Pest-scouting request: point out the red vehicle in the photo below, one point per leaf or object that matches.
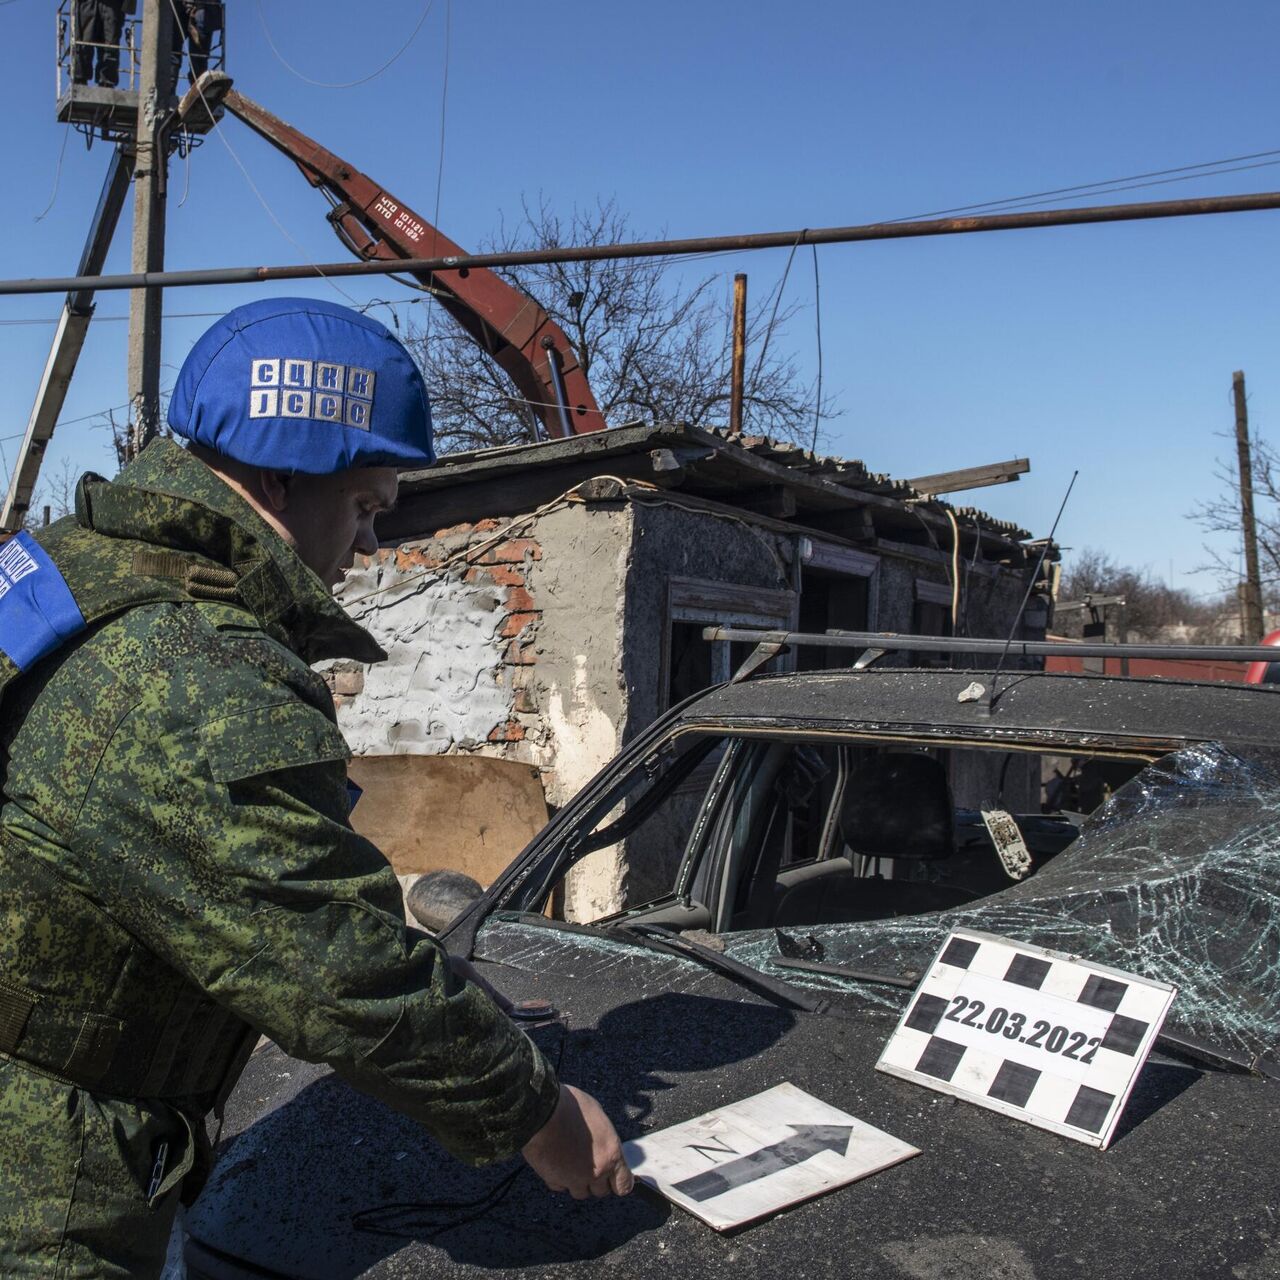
(1265, 672)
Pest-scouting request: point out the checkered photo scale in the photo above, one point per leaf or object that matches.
(1067, 1063)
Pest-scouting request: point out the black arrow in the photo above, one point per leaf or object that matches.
(809, 1139)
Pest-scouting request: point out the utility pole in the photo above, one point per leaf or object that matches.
(150, 181)
(1251, 595)
(738, 376)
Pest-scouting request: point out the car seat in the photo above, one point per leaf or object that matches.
(897, 806)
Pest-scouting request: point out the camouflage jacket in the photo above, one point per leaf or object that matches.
(178, 875)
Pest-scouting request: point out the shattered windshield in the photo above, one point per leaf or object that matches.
(1176, 877)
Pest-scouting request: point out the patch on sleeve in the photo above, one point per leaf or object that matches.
(284, 736)
(37, 610)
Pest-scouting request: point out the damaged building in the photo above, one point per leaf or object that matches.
(542, 603)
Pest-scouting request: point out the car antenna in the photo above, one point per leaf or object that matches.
(988, 703)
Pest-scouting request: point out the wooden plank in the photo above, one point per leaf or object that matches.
(465, 813)
(971, 477)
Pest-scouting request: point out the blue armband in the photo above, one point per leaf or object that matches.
(38, 613)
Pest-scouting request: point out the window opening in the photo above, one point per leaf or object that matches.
(690, 663)
(831, 602)
(781, 832)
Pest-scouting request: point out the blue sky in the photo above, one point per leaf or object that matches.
(1109, 349)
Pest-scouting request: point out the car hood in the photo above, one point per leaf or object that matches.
(1176, 878)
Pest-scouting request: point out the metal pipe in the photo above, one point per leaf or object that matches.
(661, 248)
(737, 377)
(557, 382)
(891, 641)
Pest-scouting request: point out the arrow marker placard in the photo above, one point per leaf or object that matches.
(755, 1157)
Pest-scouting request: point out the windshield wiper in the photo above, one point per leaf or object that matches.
(839, 971)
(773, 989)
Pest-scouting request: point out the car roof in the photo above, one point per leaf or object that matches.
(1030, 706)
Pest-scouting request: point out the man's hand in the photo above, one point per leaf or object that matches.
(578, 1151)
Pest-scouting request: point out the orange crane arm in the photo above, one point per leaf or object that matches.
(508, 324)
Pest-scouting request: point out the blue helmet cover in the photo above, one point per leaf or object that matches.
(300, 384)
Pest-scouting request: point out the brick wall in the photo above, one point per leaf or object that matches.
(459, 620)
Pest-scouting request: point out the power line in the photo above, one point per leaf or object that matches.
(444, 103)
(1097, 186)
(1163, 182)
(348, 84)
(171, 315)
(773, 317)
(69, 422)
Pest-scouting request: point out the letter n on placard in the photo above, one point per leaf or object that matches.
(705, 1148)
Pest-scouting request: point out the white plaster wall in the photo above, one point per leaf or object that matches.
(586, 737)
(578, 585)
(442, 687)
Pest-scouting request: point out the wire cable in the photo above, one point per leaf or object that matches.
(444, 103)
(57, 177)
(1092, 186)
(444, 110)
(231, 151)
(466, 552)
(407, 1215)
(777, 299)
(1031, 585)
(186, 178)
(71, 422)
(101, 413)
(439, 164)
(346, 84)
(169, 315)
(1133, 186)
(955, 569)
(968, 574)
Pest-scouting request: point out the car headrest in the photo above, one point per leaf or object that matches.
(898, 805)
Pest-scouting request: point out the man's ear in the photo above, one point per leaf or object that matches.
(275, 488)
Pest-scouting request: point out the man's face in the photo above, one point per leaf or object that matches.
(330, 518)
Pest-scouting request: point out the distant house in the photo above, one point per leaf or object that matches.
(542, 603)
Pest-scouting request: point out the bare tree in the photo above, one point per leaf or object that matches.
(57, 491)
(1151, 606)
(122, 431)
(1221, 514)
(652, 350)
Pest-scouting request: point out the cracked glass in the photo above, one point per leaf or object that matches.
(1175, 877)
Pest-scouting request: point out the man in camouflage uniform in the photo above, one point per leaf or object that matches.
(177, 870)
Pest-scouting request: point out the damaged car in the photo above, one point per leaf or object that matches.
(798, 846)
